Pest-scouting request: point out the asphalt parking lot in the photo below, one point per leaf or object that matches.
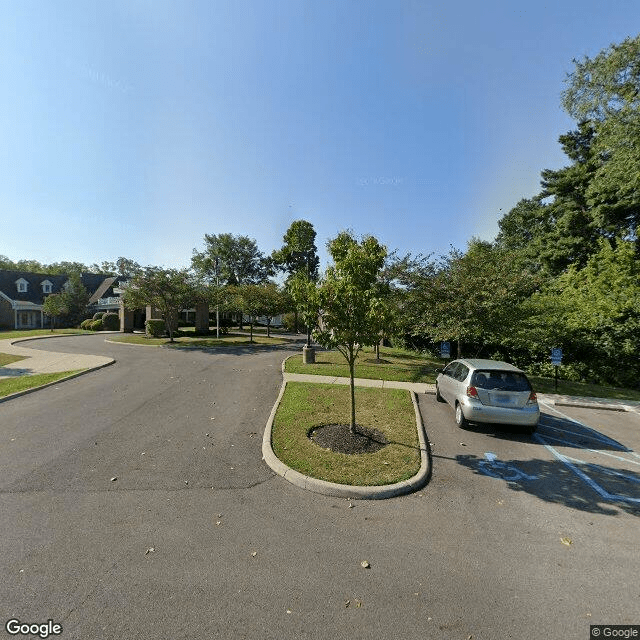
(513, 537)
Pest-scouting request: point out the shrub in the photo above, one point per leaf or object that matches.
(86, 324)
(155, 328)
(96, 325)
(98, 315)
(111, 321)
(225, 324)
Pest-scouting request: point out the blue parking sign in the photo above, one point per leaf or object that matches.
(445, 350)
(556, 355)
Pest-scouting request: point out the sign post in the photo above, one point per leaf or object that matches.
(556, 360)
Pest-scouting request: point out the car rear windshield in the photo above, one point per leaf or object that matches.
(500, 380)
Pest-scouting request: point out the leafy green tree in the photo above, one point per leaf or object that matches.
(231, 260)
(299, 253)
(54, 306)
(605, 90)
(601, 305)
(274, 302)
(302, 292)
(30, 265)
(66, 268)
(350, 300)
(6, 263)
(471, 297)
(76, 298)
(557, 227)
(234, 260)
(249, 298)
(127, 268)
(298, 258)
(168, 290)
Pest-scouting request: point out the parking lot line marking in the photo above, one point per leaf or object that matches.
(569, 462)
(575, 465)
(603, 439)
(595, 434)
(574, 445)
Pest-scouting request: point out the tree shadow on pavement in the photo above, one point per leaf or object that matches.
(566, 433)
(584, 486)
(240, 349)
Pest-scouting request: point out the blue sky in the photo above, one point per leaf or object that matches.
(133, 127)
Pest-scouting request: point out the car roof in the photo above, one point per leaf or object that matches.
(494, 365)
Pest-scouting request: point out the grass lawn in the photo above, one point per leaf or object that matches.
(32, 333)
(569, 388)
(408, 366)
(306, 406)
(398, 364)
(230, 339)
(5, 358)
(21, 383)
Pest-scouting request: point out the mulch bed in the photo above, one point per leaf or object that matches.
(338, 437)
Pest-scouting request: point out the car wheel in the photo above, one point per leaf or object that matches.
(461, 421)
(439, 398)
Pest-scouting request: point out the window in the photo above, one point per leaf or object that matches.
(22, 285)
(46, 286)
(461, 373)
(450, 369)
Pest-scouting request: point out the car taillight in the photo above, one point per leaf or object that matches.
(472, 392)
(533, 399)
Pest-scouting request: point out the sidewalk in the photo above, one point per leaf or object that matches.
(416, 387)
(422, 387)
(37, 361)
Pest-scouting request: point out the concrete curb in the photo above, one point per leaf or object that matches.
(343, 490)
(11, 396)
(604, 404)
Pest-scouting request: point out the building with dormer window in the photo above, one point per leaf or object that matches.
(22, 295)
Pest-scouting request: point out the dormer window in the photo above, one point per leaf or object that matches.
(22, 285)
(46, 286)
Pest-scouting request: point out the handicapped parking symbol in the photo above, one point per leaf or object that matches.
(494, 468)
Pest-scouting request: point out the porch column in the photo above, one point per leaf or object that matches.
(202, 318)
(126, 319)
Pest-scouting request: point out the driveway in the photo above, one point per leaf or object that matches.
(134, 504)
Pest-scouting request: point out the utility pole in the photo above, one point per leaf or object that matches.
(217, 297)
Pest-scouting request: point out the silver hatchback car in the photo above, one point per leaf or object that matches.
(488, 391)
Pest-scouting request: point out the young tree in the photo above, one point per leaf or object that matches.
(350, 300)
(168, 290)
(54, 306)
(274, 302)
(249, 298)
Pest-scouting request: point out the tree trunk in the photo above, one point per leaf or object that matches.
(352, 426)
(459, 354)
(268, 327)
(251, 331)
